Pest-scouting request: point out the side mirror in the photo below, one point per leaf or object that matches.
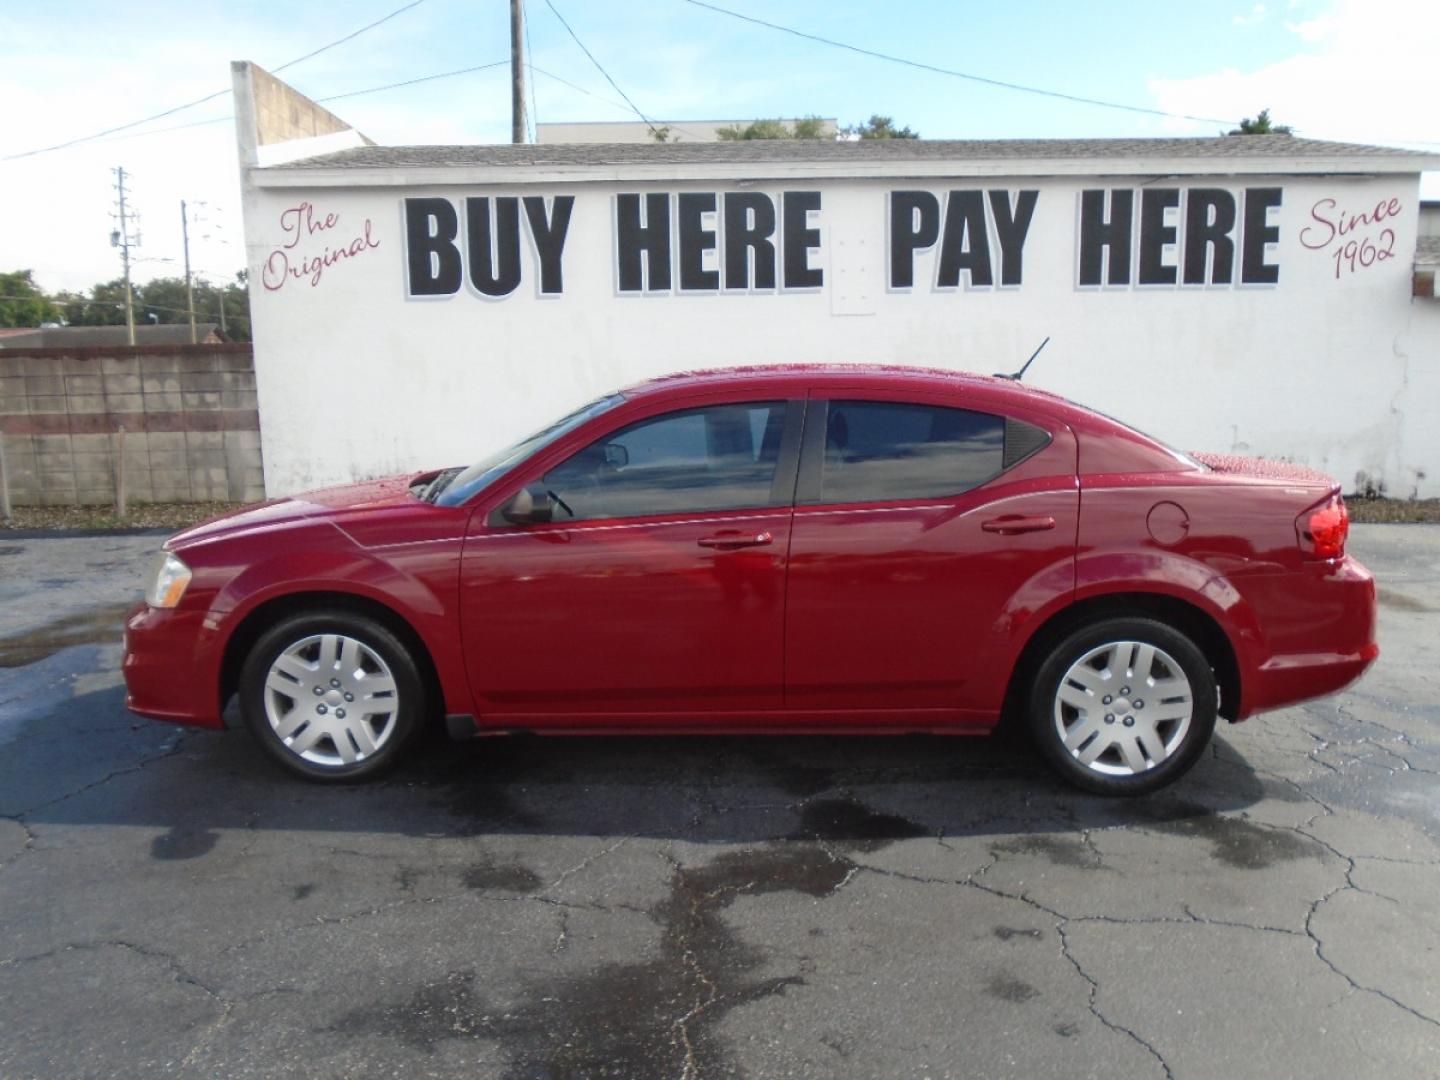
(530, 505)
(616, 455)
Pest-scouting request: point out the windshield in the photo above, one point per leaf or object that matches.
(468, 481)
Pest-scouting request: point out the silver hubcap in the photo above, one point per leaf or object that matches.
(331, 699)
(1123, 708)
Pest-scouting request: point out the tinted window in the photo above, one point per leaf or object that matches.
(878, 450)
(468, 481)
(718, 458)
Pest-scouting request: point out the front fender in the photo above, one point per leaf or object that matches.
(417, 582)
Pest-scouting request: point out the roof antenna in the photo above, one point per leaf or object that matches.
(1017, 376)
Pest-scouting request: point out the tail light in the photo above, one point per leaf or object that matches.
(1322, 529)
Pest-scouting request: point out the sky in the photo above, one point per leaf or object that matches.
(1351, 70)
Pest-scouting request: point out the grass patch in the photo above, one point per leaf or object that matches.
(173, 516)
(1393, 511)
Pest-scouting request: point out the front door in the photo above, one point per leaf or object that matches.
(657, 588)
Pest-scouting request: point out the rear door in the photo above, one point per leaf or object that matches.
(924, 536)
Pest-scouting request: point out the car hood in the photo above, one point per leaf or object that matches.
(322, 504)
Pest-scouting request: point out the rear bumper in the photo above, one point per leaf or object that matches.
(1338, 605)
(172, 666)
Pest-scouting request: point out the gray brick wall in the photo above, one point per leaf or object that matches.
(191, 425)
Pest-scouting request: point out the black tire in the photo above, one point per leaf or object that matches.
(380, 654)
(1121, 727)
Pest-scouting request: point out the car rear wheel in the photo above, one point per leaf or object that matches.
(1123, 706)
(331, 695)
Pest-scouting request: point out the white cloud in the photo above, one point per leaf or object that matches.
(1362, 71)
(1255, 15)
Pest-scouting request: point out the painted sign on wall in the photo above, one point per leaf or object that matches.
(751, 241)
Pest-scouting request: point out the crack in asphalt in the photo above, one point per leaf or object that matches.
(177, 743)
(1354, 983)
(1095, 1006)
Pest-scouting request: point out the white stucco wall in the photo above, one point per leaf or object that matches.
(1333, 367)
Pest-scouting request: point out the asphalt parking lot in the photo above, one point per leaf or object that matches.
(173, 905)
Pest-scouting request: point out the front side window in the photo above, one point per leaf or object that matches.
(721, 457)
(882, 450)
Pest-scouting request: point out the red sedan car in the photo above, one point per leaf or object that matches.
(768, 550)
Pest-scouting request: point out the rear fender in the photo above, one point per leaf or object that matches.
(1138, 570)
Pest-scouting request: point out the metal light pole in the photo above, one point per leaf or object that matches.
(189, 288)
(517, 73)
(122, 241)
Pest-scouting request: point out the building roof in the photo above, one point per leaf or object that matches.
(777, 159)
(1222, 148)
(50, 337)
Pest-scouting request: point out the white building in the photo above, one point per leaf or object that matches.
(420, 306)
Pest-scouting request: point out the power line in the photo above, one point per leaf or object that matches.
(350, 36)
(950, 71)
(411, 82)
(209, 97)
(323, 100)
(634, 108)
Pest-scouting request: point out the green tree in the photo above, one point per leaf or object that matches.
(809, 127)
(878, 127)
(1261, 125)
(22, 303)
(104, 305)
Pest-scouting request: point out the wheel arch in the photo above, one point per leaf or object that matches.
(267, 613)
(1190, 619)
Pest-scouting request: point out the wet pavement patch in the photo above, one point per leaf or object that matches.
(1060, 850)
(1009, 988)
(1006, 933)
(854, 825)
(648, 1018)
(103, 626)
(1240, 843)
(510, 877)
(183, 842)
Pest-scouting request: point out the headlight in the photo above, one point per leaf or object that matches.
(171, 578)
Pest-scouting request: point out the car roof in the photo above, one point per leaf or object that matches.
(899, 376)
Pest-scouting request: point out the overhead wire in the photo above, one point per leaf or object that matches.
(969, 76)
(600, 67)
(209, 97)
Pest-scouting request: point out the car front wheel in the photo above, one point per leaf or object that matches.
(1123, 706)
(331, 695)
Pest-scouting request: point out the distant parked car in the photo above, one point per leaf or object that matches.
(768, 550)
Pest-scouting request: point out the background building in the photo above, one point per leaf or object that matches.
(633, 131)
(421, 306)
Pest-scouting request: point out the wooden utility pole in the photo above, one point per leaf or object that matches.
(189, 287)
(121, 239)
(517, 72)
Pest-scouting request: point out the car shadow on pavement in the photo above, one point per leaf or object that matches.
(701, 789)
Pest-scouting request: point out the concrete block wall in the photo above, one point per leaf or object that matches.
(191, 426)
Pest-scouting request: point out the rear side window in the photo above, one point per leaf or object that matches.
(881, 450)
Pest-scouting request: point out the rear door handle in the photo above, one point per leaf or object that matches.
(1011, 524)
(730, 541)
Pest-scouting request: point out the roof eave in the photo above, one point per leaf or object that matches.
(731, 171)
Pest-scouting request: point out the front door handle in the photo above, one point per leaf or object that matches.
(730, 541)
(1012, 524)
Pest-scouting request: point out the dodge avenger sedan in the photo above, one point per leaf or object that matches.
(773, 550)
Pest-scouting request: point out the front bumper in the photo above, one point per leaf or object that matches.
(172, 666)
